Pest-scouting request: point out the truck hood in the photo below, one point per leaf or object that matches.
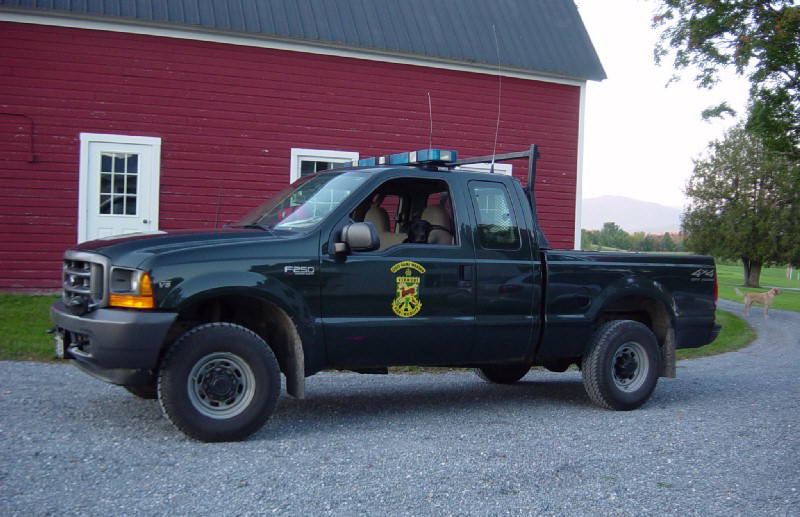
(132, 249)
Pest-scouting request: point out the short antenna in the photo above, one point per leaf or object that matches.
(499, 96)
(430, 117)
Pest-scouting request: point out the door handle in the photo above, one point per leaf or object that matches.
(465, 276)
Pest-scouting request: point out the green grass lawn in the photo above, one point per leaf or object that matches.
(24, 319)
(731, 277)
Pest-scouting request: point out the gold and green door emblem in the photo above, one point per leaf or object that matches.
(407, 301)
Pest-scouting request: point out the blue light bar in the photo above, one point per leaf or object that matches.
(411, 158)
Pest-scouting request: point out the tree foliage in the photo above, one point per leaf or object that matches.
(744, 202)
(759, 39)
(612, 236)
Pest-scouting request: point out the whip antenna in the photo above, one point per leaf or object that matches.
(430, 117)
(499, 96)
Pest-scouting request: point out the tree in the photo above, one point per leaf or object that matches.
(587, 239)
(744, 204)
(758, 38)
(667, 244)
(615, 237)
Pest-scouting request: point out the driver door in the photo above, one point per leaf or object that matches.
(408, 304)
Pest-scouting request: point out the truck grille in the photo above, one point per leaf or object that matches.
(84, 277)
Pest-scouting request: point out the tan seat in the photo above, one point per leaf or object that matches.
(380, 219)
(437, 216)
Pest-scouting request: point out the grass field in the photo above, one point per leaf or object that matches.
(731, 277)
(24, 320)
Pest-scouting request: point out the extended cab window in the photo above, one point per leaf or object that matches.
(497, 226)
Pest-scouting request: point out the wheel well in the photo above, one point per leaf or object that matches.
(651, 313)
(645, 310)
(262, 317)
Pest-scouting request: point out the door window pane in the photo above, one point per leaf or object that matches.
(118, 176)
(497, 227)
(105, 183)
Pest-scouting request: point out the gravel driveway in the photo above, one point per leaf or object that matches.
(722, 438)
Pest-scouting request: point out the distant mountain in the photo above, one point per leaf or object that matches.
(630, 214)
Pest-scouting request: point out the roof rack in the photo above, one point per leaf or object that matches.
(531, 154)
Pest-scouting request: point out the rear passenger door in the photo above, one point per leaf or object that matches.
(508, 286)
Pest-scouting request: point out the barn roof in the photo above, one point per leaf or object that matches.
(544, 36)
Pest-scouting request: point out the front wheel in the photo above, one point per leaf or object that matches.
(620, 369)
(219, 382)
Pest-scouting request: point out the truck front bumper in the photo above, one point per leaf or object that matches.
(115, 345)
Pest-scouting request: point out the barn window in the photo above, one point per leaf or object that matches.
(311, 161)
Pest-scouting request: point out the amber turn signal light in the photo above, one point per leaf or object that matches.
(144, 300)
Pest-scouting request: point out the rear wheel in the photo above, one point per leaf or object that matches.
(620, 370)
(219, 382)
(503, 373)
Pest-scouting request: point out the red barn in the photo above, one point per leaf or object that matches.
(123, 115)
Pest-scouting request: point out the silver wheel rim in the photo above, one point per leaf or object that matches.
(221, 385)
(630, 366)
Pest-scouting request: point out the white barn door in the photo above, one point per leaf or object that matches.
(119, 179)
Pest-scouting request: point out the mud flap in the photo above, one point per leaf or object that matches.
(668, 355)
(295, 366)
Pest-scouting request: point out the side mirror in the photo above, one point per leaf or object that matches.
(359, 237)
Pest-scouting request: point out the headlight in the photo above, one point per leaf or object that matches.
(130, 288)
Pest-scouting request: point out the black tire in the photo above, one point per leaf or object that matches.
(503, 373)
(144, 391)
(219, 382)
(620, 369)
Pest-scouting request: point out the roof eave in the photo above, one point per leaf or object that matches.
(118, 24)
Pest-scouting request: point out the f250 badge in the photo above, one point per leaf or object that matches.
(299, 270)
(406, 302)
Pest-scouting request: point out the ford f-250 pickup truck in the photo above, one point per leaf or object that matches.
(397, 260)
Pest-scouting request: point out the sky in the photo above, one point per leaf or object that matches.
(640, 136)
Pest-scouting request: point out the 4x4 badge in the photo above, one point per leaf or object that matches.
(406, 302)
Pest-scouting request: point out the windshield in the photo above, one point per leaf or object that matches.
(304, 203)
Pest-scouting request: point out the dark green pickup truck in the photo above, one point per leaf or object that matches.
(366, 267)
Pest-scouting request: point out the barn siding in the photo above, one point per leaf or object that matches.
(228, 117)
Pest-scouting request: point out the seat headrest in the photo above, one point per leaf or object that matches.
(436, 215)
(378, 217)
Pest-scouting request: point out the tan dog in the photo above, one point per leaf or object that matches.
(764, 299)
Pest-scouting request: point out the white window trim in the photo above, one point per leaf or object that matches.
(499, 168)
(318, 155)
(83, 176)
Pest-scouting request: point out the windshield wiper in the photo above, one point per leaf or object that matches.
(253, 226)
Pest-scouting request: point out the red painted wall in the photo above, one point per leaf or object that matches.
(228, 117)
